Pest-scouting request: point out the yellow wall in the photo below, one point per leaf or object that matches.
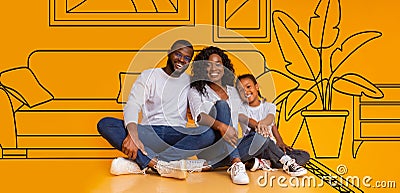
(25, 28)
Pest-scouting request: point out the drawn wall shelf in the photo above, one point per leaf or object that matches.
(376, 119)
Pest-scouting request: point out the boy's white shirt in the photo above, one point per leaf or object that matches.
(258, 113)
(199, 103)
(162, 99)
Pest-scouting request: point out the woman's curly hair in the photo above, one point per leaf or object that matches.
(199, 69)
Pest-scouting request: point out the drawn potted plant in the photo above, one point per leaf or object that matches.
(313, 61)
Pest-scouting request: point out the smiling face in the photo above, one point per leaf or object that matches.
(215, 69)
(179, 59)
(249, 91)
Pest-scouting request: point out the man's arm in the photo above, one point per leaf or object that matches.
(132, 143)
(137, 95)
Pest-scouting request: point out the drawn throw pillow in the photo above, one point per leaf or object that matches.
(23, 85)
(126, 80)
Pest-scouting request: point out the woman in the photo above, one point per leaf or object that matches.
(215, 102)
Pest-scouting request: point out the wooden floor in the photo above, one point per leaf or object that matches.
(92, 175)
(376, 164)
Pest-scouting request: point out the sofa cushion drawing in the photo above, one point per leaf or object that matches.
(51, 106)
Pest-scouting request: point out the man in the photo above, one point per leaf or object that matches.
(161, 138)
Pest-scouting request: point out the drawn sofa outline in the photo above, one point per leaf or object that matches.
(65, 125)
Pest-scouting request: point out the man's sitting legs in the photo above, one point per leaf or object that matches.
(161, 142)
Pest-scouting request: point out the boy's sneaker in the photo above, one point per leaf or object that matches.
(261, 164)
(195, 165)
(172, 169)
(293, 169)
(121, 166)
(238, 173)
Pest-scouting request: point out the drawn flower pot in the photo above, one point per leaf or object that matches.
(313, 60)
(325, 129)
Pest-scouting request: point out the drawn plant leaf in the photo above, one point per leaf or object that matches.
(301, 59)
(350, 46)
(324, 25)
(356, 85)
(277, 92)
(321, 89)
(298, 100)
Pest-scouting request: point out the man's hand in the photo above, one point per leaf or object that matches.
(229, 134)
(132, 143)
(131, 146)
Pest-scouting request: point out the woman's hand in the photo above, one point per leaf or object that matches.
(229, 134)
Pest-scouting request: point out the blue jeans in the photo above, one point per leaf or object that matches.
(274, 156)
(167, 143)
(221, 153)
(251, 146)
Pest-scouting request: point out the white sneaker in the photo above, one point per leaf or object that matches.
(238, 173)
(121, 166)
(195, 165)
(261, 164)
(293, 169)
(172, 169)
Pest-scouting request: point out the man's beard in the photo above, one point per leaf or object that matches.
(170, 66)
